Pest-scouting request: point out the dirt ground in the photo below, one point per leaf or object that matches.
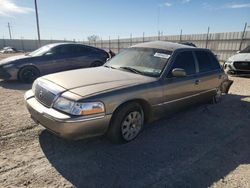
(205, 146)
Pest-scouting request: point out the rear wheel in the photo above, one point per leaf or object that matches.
(126, 124)
(28, 74)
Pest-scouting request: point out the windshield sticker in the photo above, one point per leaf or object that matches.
(161, 55)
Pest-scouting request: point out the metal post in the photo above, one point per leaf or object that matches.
(101, 42)
(37, 24)
(22, 43)
(4, 44)
(159, 37)
(242, 37)
(207, 37)
(131, 39)
(9, 30)
(181, 36)
(109, 43)
(118, 44)
(143, 36)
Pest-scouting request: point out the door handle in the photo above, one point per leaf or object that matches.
(197, 82)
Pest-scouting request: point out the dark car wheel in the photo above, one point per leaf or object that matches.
(126, 124)
(96, 64)
(28, 74)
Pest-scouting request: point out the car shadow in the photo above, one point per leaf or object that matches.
(194, 148)
(14, 85)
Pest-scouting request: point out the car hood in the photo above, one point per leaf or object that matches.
(90, 81)
(240, 57)
(13, 58)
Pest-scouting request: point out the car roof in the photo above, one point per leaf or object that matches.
(164, 45)
(71, 43)
(62, 43)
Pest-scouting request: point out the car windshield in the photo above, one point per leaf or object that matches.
(40, 51)
(246, 50)
(145, 61)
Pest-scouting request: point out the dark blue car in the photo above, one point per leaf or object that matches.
(49, 59)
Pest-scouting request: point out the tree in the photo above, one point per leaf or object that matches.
(93, 38)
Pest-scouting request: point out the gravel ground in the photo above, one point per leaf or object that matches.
(204, 146)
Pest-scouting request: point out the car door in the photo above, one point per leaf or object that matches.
(55, 59)
(209, 73)
(84, 56)
(181, 91)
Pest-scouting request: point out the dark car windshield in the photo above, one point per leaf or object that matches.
(40, 51)
(146, 61)
(246, 50)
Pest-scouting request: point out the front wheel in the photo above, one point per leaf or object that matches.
(126, 124)
(28, 74)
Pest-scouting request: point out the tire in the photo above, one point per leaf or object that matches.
(96, 64)
(126, 123)
(28, 74)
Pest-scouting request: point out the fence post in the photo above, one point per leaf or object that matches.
(207, 36)
(4, 43)
(118, 44)
(130, 39)
(181, 36)
(22, 43)
(109, 43)
(242, 37)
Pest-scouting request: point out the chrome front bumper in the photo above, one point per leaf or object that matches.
(64, 125)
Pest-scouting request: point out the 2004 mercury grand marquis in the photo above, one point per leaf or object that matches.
(141, 83)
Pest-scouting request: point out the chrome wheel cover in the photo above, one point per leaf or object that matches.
(132, 125)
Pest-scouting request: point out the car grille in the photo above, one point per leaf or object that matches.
(242, 65)
(44, 96)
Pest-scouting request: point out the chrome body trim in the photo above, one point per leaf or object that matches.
(183, 98)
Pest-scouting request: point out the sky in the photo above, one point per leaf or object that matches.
(78, 19)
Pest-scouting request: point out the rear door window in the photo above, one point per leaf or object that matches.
(206, 61)
(185, 60)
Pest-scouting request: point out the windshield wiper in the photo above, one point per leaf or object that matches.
(131, 70)
(109, 66)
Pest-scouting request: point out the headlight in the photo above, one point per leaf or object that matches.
(34, 86)
(229, 62)
(76, 108)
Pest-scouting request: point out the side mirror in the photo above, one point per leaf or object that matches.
(177, 72)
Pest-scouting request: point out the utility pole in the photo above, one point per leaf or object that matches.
(37, 25)
(242, 36)
(9, 30)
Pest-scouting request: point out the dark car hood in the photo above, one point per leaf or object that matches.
(85, 82)
(13, 58)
